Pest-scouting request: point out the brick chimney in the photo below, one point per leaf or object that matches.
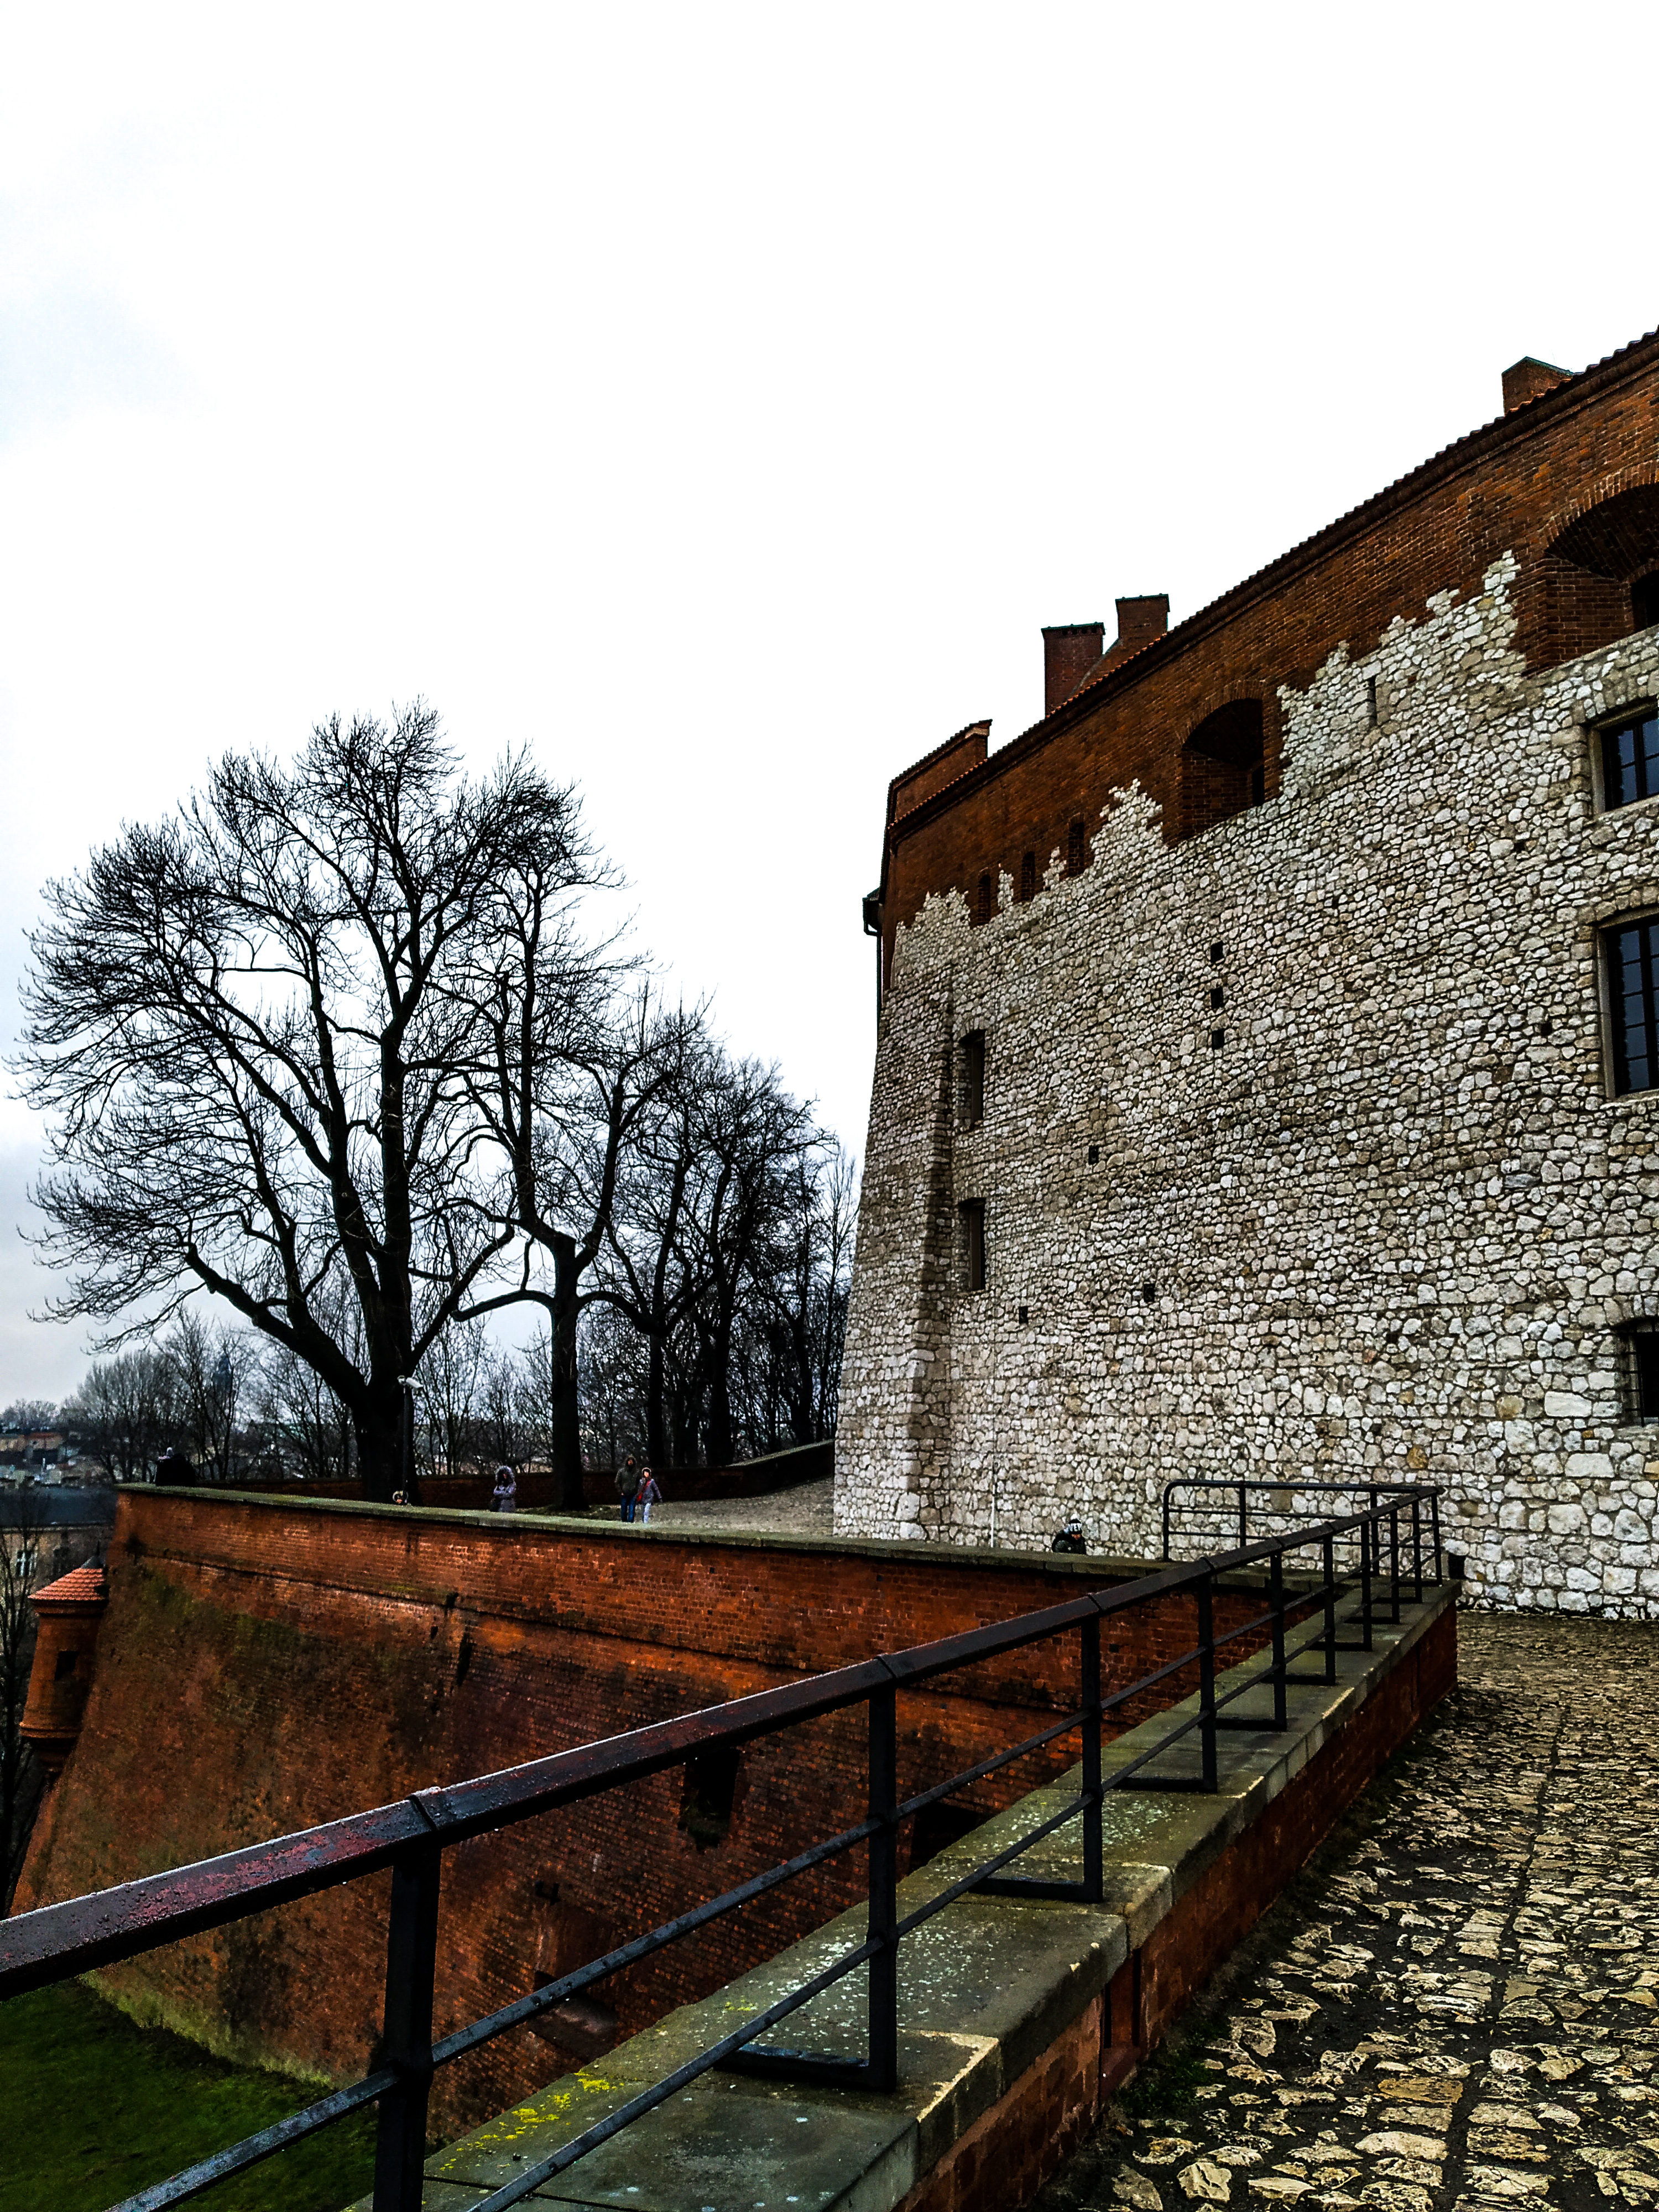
(1069, 651)
(1141, 622)
(1531, 380)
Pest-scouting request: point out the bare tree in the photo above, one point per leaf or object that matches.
(30, 1415)
(570, 1072)
(301, 1418)
(215, 1371)
(256, 1030)
(125, 1411)
(447, 1383)
(23, 1538)
(726, 1256)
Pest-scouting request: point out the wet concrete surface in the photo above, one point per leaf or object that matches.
(1456, 2002)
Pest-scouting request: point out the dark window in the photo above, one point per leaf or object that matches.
(1223, 770)
(1645, 600)
(970, 1080)
(1218, 954)
(66, 1665)
(1641, 1346)
(985, 907)
(1218, 1000)
(1076, 850)
(1631, 957)
(972, 1211)
(1629, 760)
(1218, 1038)
(1028, 877)
(1371, 701)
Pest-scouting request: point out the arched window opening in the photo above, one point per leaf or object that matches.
(1028, 877)
(1223, 767)
(985, 907)
(1598, 582)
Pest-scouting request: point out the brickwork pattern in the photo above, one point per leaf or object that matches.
(262, 1668)
(1458, 2004)
(1515, 487)
(1298, 1158)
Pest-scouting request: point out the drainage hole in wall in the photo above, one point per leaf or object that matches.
(711, 1782)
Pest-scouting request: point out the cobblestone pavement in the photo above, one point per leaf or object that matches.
(808, 1509)
(1457, 2002)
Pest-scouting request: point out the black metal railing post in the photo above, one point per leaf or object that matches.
(1394, 1563)
(1330, 1608)
(1417, 1546)
(1434, 1525)
(1093, 1795)
(411, 1955)
(1168, 1487)
(884, 1891)
(1206, 1731)
(1368, 1528)
(1276, 1584)
(1243, 1519)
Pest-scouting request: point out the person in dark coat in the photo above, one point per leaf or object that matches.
(628, 1486)
(505, 1496)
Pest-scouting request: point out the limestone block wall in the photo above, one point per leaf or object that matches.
(1371, 1209)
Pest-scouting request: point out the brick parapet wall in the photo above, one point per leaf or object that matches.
(264, 1666)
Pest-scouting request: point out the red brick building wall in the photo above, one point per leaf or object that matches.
(1528, 482)
(264, 1666)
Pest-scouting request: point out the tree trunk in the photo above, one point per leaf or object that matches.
(656, 1418)
(719, 1400)
(565, 1424)
(379, 1426)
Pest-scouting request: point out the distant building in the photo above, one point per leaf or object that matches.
(1269, 1072)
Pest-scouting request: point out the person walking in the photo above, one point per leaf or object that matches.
(649, 1494)
(628, 1486)
(505, 1496)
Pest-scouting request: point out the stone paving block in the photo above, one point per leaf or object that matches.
(1464, 2010)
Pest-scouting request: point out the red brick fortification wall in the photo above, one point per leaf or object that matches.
(1005, 2158)
(1518, 485)
(264, 1666)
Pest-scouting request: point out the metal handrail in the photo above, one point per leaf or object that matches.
(59, 1940)
(1241, 1486)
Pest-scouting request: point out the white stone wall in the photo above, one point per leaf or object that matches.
(1392, 1226)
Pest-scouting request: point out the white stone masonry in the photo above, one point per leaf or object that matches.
(1391, 1226)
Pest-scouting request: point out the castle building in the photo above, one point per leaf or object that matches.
(1267, 1081)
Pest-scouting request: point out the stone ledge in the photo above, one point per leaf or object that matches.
(990, 1991)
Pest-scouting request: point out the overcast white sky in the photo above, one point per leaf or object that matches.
(721, 398)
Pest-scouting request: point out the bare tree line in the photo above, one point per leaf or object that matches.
(331, 1045)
